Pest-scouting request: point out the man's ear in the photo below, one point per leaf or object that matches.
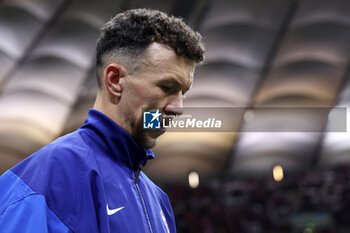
(113, 73)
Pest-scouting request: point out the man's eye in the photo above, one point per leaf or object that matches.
(166, 88)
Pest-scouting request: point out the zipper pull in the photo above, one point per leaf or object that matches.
(139, 168)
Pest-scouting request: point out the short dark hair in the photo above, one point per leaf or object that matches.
(134, 30)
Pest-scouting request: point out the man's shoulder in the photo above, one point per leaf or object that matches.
(69, 144)
(59, 172)
(18, 204)
(64, 151)
(62, 161)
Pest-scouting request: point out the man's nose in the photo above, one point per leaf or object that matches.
(174, 105)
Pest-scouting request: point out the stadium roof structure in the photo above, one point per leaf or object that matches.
(260, 54)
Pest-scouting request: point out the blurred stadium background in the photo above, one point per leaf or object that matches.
(260, 53)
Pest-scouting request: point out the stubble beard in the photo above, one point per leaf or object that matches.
(142, 137)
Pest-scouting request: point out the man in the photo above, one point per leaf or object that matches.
(91, 179)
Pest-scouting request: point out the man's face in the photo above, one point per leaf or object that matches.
(160, 83)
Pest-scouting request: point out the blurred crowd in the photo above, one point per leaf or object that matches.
(308, 202)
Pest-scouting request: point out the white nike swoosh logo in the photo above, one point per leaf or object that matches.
(113, 211)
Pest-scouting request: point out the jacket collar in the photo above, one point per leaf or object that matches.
(115, 140)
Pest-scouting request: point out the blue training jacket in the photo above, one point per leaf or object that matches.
(86, 181)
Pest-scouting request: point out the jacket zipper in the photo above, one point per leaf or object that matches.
(143, 201)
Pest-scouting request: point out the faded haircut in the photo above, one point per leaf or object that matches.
(125, 38)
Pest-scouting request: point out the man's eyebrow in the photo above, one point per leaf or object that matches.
(176, 82)
(171, 80)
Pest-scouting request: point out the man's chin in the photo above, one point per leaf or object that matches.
(151, 138)
(148, 139)
(150, 143)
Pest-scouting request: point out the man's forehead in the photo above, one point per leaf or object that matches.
(158, 53)
(161, 49)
